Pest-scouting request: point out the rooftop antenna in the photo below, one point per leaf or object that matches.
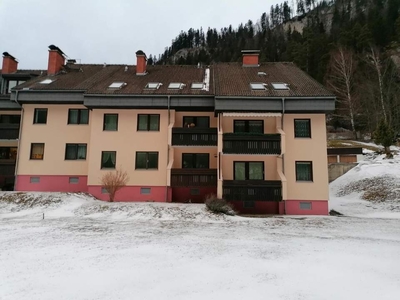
(126, 69)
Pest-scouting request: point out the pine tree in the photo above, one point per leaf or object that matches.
(384, 136)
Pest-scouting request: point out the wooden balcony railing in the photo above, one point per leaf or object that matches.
(9, 131)
(194, 137)
(236, 143)
(252, 190)
(193, 177)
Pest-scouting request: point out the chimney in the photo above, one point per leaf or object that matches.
(141, 62)
(56, 60)
(10, 64)
(250, 58)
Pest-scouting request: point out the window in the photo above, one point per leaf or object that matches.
(280, 86)
(249, 204)
(8, 153)
(302, 128)
(200, 122)
(34, 179)
(110, 122)
(145, 191)
(74, 180)
(258, 86)
(247, 126)
(153, 85)
(249, 170)
(12, 84)
(304, 171)
(116, 85)
(194, 192)
(10, 119)
(195, 160)
(104, 191)
(78, 116)
(46, 81)
(148, 123)
(75, 151)
(108, 159)
(305, 205)
(197, 85)
(146, 160)
(176, 86)
(40, 116)
(37, 150)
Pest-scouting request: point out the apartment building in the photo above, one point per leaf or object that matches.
(10, 117)
(253, 133)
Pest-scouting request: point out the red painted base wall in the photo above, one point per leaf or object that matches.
(183, 194)
(53, 183)
(260, 207)
(132, 194)
(318, 207)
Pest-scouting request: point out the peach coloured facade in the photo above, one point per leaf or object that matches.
(127, 140)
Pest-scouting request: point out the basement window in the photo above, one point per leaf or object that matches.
(258, 86)
(280, 86)
(176, 86)
(145, 191)
(153, 85)
(46, 81)
(197, 85)
(116, 85)
(305, 205)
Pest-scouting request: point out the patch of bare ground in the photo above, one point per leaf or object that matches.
(349, 143)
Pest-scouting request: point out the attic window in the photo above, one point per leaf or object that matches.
(116, 85)
(280, 86)
(46, 81)
(176, 85)
(258, 86)
(153, 85)
(197, 85)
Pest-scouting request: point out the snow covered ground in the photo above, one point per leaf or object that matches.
(87, 249)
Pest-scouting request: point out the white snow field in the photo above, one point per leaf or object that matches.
(87, 249)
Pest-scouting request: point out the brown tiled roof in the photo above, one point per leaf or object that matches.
(232, 79)
(95, 79)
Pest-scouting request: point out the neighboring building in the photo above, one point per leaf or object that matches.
(345, 155)
(251, 133)
(10, 115)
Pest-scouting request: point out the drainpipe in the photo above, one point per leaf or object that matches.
(19, 140)
(283, 155)
(168, 150)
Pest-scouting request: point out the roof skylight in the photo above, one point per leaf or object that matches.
(46, 81)
(280, 86)
(153, 85)
(116, 85)
(197, 85)
(176, 85)
(258, 86)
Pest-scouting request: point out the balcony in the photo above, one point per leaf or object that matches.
(7, 167)
(252, 190)
(9, 131)
(193, 177)
(194, 137)
(239, 143)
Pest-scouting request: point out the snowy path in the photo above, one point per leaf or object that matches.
(239, 258)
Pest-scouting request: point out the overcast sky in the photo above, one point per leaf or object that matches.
(98, 31)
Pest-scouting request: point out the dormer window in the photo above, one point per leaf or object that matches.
(176, 86)
(197, 85)
(46, 81)
(279, 86)
(153, 85)
(258, 86)
(116, 85)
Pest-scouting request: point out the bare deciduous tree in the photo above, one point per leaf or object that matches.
(343, 66)
(113, 181)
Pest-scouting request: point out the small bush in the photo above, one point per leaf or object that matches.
(218, 206)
